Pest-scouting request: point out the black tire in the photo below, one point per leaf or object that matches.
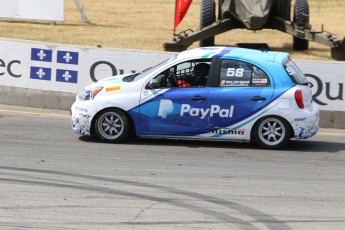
(301, 19)
(112, 125)
(207, 17)
(271, 132)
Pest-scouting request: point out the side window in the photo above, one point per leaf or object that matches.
(235, 73)
(295, 73)
(166, 78)
(242, 74)
(259, 78)
(192, 73)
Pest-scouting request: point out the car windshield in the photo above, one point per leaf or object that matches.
(295, 73)
(147, 71)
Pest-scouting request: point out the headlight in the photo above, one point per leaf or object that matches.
(89, 94)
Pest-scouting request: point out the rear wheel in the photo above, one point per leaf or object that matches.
(301, 19)
(271, 132)
(207, 17)
(112, 125)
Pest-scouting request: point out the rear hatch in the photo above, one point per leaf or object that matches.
(300, 80)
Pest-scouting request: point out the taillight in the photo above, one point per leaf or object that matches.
(299, 99)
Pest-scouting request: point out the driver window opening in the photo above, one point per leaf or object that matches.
(186, 74)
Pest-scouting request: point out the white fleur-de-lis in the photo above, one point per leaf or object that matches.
(40, 73)
(41, 55)
(67, 76)
(68, 57)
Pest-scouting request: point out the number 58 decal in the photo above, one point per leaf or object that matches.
(233, 72)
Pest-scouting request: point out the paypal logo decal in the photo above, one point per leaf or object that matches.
(165, 107)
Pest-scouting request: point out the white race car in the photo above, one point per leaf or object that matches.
(210, 93)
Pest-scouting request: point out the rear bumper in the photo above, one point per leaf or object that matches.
(307, 123)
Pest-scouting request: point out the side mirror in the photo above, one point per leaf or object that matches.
(153, 84)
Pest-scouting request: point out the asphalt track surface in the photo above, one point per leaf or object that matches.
(50, 178)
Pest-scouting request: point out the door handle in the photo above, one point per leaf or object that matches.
(258, 98)
(198, 98)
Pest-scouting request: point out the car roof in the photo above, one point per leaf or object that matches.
(235, 53)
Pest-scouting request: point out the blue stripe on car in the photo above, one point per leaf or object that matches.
(223, 52)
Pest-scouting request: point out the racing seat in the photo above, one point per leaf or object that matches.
(201, 71)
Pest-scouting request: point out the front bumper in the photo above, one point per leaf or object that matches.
(81, 118)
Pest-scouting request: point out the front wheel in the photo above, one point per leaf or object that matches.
(271, 132)
(112, 125)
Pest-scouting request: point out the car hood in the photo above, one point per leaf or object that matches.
(116, 78)
(113, 80)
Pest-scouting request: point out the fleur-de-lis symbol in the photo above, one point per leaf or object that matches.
(41, 55)
(40, 73)
(68, 57)
(67, 76)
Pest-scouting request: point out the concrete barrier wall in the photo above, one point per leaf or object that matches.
(36, 98)
(49, 75)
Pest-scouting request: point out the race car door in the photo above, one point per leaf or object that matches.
(178, 105)
(243, 89)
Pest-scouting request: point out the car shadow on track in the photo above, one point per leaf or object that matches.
(315, 146)
(174, 142)
(294, 145)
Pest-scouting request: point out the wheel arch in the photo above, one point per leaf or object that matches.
(92, 129)
(292, 131)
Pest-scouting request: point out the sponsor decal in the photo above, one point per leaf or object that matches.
(166, 107)
(259, 81)
(291, 71)
(202, 113)
(300, 119)
(81, 109)
(113, 88)
(234, 83)
(229, 132)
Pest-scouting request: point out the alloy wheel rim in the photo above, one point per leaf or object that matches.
(111, 125)
(271, 131)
